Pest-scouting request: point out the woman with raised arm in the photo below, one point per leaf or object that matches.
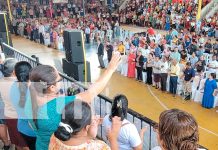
(46, 105)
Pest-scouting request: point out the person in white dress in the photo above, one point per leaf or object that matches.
(128, 138)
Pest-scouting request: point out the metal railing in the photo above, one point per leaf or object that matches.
(102, 104)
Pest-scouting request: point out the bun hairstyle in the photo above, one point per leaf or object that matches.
(178, 130)
(119, 107)
(75, 116)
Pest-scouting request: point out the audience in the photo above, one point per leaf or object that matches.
(184, 56)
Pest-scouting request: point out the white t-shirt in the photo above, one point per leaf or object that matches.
(128, 137)
(213, 64)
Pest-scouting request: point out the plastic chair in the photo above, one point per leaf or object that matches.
(200, 92)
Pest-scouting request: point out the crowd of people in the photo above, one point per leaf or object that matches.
(164, 15)
(183, 61)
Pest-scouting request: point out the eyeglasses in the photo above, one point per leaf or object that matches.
(53, 83)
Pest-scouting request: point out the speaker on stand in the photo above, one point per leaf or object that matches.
(75, 64)
(5, 35)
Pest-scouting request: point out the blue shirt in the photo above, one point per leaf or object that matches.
(189, 73)
(22, 124)
(157, 52)
(176, 56)
(193, 61)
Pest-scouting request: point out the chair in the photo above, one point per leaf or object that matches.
(102, 35)
(92, 37)
(194, 86)
(179, 87)
(215, 102)
(109, 35)
(200, 92)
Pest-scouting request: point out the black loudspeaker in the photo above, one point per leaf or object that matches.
(76, 70)
(74, 46)
(5, 38)
(2, 22)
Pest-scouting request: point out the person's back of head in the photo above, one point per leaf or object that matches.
(119, 107)
(8, 67)
(76, 117)
(178, 130)
(22, 71)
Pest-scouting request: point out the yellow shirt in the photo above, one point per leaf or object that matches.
(121, 49)
(175, 70)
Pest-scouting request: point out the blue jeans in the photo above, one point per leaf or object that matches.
(173, 84)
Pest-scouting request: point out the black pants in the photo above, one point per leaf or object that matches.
(173, 84)
(30, 141)
(101, 61)
(87, 38)
(149, 75)
(139, 73)
(15, 30)
(163, 81)
(41, 39)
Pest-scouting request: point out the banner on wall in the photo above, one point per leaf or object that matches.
(60, 1)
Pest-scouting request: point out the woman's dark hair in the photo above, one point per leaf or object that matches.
(77, 115)
(119, 107)
(178, 130)
(213, 75)
(41, 77)
(22, 71)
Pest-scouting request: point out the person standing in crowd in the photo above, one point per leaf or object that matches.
(174, 75)
(193, 60)
(121, 48)
(100, 53)
(200, 65)
(18, 96)
(41, 33)
(175, 55)
(9, 111)
(109, 49)
(149, 68)
(156, 72)
(177, 130)
(208, 46)
(157, 51)
(14, 23)
(73, 133)
(87, 32)
(131, 64)
(164, 68)
(189, 74)
(209, 88)
(128, 137)
(139, 65)
(213, 65)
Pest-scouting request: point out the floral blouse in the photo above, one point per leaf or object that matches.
(56, 144)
